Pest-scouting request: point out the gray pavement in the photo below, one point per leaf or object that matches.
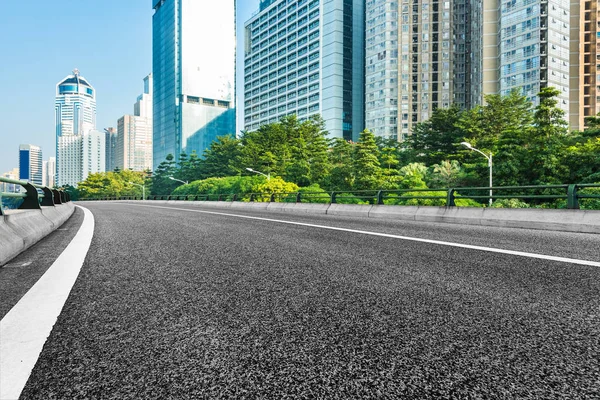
(176, 304)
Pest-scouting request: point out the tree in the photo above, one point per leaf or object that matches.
(436, 139)
(413, 176)
(367, 170)
(222, 158)
(485, 125)
(341, 156)
(446, 174)
(547, 141)
(266, 149)
(161, 184)
(112, 184)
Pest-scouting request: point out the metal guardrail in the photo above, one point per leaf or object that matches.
(572, 193)
(32, 198)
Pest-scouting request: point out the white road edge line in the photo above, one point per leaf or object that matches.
(26, 327)
(431, 241)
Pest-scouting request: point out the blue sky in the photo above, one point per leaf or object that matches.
(109, 41)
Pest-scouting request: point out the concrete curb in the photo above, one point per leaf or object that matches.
(21, 229)
(579, 221)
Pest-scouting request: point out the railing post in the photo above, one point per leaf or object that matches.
(450, 198)
(572, 201)
(57, 199)
(380, 197)
(48, 200)
(298, 197)
(332, 197)
(31, 200)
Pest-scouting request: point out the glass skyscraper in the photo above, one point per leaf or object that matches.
(306, 57)
(193, 62)
(75, 117)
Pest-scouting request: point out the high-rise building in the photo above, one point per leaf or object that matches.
(484, 36)
(381, 72)
(585, 56)
(457, 51)
(49, 172)
(306, 57)
(75, 116)
(93, 148)
(134, 134)
(193, 61)
(111, 148)
(30, 164)
(535, 48)
(434, 67)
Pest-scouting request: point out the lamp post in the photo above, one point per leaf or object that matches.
(258, 172)
(143, 189)
(489, 158)
(178, 180)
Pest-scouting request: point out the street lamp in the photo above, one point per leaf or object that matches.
(489, 158)
(143, 189)
(258, 172)
(178, 180)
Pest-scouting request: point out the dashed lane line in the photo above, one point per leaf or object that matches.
(26, 327)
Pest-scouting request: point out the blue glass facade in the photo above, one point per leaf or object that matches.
(30, 163)
(24, 165)
(165, 72)
(193, 79)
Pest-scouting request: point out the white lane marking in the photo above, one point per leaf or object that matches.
(25, 328)
(431, 241)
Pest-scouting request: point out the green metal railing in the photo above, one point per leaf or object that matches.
(572, 193)
(32, 198)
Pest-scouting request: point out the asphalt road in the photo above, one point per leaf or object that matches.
(174, 304)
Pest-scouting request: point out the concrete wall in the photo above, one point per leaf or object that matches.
(21, 229)
(583, 221)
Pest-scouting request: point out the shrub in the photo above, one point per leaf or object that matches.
(509, 203)
(348, 198)
(314, 194)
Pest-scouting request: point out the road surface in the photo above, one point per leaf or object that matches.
(180, 302)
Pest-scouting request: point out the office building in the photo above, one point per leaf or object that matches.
(193, 61)
(134, 134)
(10, 187)
(111, 148)
(306, 57)
(75, 116)
(30, 164)
(93, 147)
(49, 172)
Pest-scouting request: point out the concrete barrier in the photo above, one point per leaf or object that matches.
(583, 221)
(21, 229)
(307, 208)
(10, 243)
(351, 210)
